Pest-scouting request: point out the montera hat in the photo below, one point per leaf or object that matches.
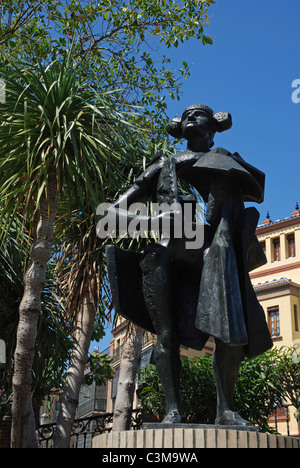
(221, 121)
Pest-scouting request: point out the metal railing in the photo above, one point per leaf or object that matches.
(282, 415)
(85, 429)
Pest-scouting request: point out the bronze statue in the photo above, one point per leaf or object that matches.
(185, 295)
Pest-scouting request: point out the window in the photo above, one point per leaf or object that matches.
(273, 318)
(291, 245)
(280, 414)
(263, 246)
(296, 318)
(147, 337)
(276, 249)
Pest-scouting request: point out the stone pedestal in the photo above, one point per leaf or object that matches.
(192, 437)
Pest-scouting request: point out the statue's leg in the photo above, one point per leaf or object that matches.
(226, 362)
(167, 361)
(157, 293)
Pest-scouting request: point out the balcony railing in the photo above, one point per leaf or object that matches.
(85, 429)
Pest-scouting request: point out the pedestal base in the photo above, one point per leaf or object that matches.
(189, 437)
(197, 426)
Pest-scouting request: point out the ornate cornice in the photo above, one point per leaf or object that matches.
(277, 287)
(278, 224)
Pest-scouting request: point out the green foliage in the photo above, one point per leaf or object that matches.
(114, 38)
(12, 258)
(150, 392)
(53, 119)
(71, 111)
(263, 383)
(100, 369)
(288, 375)
(257, 391)
(198, 387)
(53, 342)
(197, 390)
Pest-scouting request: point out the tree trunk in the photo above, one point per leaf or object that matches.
(131, 358)
(82, 338)
(32, 440)
(29, 312)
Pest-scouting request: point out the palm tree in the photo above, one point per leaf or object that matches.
(80, 275)
(12, 257)
(52, 333)
(58, 138)
(130, 362)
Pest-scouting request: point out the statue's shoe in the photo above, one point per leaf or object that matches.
(231, 418)
(172, 418)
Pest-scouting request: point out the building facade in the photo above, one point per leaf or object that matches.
(277, 286)
(277, 282)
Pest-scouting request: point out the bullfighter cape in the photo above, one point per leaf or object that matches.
(212, 294)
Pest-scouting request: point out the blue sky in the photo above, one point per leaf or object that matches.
(248, 71)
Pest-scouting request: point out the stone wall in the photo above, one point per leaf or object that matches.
(193, 438)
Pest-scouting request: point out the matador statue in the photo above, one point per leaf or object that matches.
(186, 295)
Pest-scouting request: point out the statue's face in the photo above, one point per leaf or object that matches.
(195, 123)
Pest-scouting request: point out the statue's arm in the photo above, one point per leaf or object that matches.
(115, 217)
(130, 207)
(138, 193)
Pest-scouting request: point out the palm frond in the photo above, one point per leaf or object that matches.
(52, 119)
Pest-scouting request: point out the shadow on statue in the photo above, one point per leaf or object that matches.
(187, 293)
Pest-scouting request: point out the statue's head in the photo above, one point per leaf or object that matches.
(199, 121)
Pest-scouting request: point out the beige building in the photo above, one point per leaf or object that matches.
(277, 285)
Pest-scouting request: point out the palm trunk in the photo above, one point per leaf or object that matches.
(131, 358)
(82, 338)
(29, 312)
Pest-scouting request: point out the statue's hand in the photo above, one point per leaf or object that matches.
(168, 221)
(171, 216)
